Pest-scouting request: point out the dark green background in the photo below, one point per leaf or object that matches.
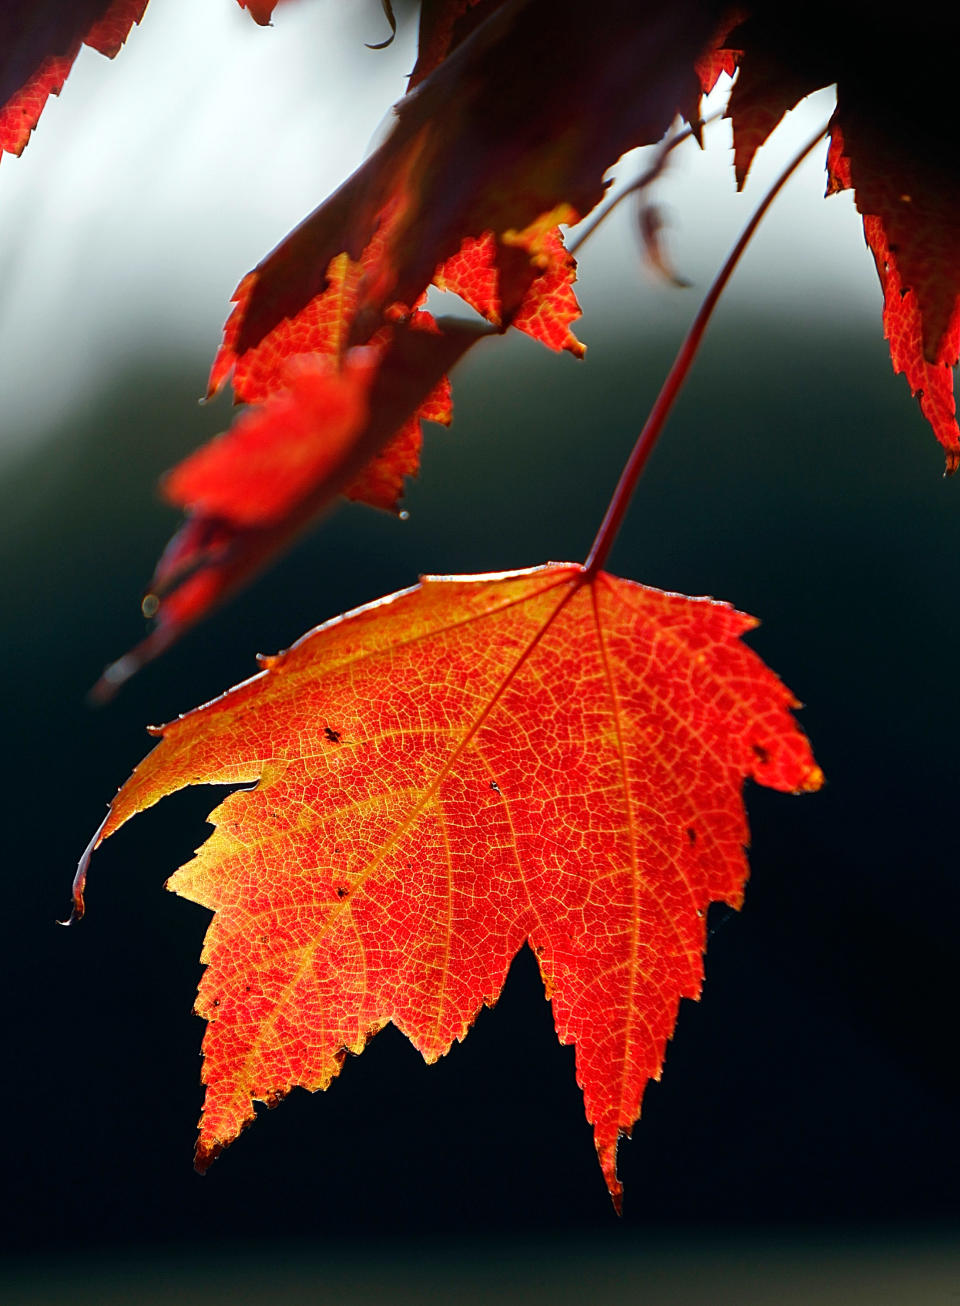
(813, 1086)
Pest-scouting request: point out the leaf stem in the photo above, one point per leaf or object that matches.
(678, 374)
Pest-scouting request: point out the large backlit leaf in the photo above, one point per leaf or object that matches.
(539, 756)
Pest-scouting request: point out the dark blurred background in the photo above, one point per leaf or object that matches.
(803, 1141)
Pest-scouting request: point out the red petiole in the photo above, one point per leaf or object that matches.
(672, 386)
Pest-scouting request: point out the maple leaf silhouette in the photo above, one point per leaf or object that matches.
(547, 756)
(892, 143)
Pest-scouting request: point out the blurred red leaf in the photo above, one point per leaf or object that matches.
(211, 554)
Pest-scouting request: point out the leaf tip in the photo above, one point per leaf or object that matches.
(76, 914)
(78, 905)
(607, 1157)
(205, 1154)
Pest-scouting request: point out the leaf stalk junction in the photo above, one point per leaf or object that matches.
(647, 439)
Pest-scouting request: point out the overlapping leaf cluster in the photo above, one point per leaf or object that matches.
(484, 161)
(516, 109)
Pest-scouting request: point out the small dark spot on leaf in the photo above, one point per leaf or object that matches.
(341, 891)
(761, 752)
(494, 786)
(691, 834)
(331, 734)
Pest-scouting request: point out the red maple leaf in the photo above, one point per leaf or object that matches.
(547, 756)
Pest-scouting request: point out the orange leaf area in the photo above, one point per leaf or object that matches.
(540, 756)
(43, 46)
(533, 293)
